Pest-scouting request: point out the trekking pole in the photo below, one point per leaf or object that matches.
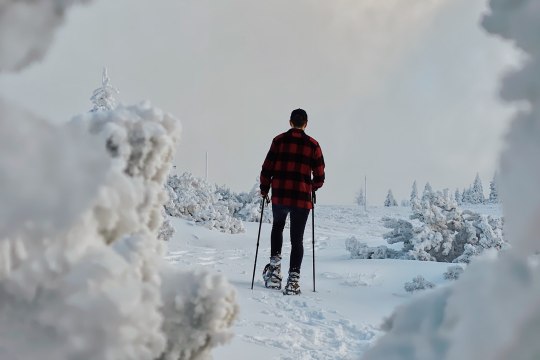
(313, 201)
(258, 238)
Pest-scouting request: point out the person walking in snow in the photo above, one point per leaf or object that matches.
(294, 170)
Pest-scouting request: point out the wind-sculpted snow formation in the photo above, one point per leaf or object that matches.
(213, 206)
(82, 273)
(492, 311)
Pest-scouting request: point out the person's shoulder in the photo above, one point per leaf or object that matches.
(280, 137)
(312, 141)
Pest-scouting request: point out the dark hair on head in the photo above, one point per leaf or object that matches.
(299, 117)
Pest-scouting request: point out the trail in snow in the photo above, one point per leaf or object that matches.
(353, 297)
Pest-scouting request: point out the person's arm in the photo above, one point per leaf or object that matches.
(267, 171)
(318, 168)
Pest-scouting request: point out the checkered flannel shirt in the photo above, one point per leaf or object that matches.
(292, 159)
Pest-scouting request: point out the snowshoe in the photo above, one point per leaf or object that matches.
(272, 273)
(293, 286)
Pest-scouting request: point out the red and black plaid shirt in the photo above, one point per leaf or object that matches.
(289, 164)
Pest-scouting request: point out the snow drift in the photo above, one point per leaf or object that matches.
(492, 311)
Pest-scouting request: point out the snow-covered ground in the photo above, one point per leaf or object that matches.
(353, 297)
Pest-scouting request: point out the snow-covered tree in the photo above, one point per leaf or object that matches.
(414, 192)
(466, 197)
(443, 232)
(494, 189)
(104, 97)
(390, 200)
(428, 192)
(458, 197)
(477, 191)
(360, 197)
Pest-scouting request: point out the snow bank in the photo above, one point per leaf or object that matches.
(492, 311)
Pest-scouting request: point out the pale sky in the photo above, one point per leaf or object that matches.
(395, 90)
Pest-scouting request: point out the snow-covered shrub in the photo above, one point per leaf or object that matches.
(200, 302)
(249, 206)
(360, 250)
(216, 207)
(418, 283)
(402, 231)
(441, 231)
(453, 272)
(166, 231)
(195, 199)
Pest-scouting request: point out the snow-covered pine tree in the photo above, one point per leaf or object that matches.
(477, 193)
(103, 97)
(390, 200)
(414, 192)
(466, 196)
(458, 197)
(494, 189)
(360, 198)
(428, 191)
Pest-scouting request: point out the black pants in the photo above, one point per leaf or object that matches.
(299, 218)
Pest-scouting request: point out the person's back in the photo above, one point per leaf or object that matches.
(293, 169)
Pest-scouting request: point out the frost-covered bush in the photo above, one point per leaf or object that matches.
(200, 302)
(195, 199)
(417, 284)
(80, 270)
(166, 231)
(361, 250)
(216, 207)
(441, 231)
(251, 207)
(453, 272)
(402, 231)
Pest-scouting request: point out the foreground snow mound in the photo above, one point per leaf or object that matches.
(199, 309)
(87, 283)
(492, 311)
